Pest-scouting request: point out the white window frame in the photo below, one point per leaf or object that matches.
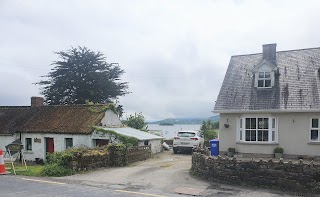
(314, 128)
(27, 148)
(241, 130)
(264, 67)
(264, 79)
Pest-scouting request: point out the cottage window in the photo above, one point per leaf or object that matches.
(28, 143)
(257, 129)
(314, 134)
(69, 143)
(264, 80)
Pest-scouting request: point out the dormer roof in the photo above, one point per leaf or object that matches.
(263, 63)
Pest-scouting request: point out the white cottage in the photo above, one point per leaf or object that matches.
(269, 100)
(52, 128)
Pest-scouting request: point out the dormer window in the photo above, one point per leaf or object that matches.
(264, 80)
(264, 75)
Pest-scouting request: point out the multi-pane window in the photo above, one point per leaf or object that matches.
(264, 80)
(28, 143)
(314, 135)
(69, 143)
(257, 129)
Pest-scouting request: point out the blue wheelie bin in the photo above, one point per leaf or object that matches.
(214, 147)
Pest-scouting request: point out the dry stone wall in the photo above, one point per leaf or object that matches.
(112, 156)
(297, 177)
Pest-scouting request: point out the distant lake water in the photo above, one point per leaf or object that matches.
(168, 132)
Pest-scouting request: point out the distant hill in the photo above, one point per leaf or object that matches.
(172, 121)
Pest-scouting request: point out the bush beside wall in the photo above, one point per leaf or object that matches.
(289, 176)
(81, 159)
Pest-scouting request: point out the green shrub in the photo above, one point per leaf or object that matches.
(61, 158)
(278, 150)
(56, 170)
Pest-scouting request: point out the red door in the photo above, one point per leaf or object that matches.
(49, 145)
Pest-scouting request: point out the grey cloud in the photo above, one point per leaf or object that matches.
(174, 53)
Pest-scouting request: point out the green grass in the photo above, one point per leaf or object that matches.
(36, 170)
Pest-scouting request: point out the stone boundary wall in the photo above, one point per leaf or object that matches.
(113, 156)
(288, 176)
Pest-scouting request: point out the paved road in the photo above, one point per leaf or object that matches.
(13, 186)
(166, 174)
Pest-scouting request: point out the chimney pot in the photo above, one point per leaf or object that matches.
(37, 101)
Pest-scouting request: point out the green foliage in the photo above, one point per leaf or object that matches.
(209, 125)
(54, 169)
(137, 121)
(61, 158)
(36, 170)
(120, 111)
(97, 108)
(278, 150)
(118, 154)
(126, 140)
(208, 129)
(232, 150)
(80, 75)
(58, 164)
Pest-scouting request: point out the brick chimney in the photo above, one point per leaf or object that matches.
(269, 52)
(37, 101)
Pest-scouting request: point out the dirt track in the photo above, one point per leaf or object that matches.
(164, 174)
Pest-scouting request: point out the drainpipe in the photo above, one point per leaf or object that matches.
(21, 150)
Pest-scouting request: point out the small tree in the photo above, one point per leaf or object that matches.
(208, 129)
(137, 121)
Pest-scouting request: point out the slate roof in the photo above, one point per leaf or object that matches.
(49, 119)
(297, 85)
(128, 131)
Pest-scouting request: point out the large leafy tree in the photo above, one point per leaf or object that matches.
(82, 75)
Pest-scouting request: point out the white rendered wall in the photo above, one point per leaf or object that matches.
(38, 148)
(111, 119)
(156, 145)
(293, 135)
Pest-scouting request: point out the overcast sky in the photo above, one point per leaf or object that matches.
(175, 53)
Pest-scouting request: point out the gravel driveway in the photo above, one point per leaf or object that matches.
(165, 174)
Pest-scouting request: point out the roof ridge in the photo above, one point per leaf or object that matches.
(278, 51)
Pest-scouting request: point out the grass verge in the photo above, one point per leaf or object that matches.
(36, 170)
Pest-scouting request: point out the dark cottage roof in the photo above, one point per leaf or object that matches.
(49, 119)
(297, 85)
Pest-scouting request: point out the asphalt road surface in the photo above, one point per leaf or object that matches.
(165, 175)
(14, 186)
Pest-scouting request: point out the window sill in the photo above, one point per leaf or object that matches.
(259, 143)
(314, 143)
(264, 88)
(27, 152)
